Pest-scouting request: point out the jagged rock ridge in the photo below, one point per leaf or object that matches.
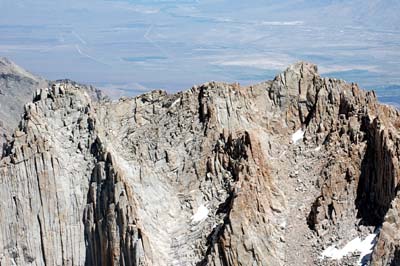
(88, 182)
(16, 88)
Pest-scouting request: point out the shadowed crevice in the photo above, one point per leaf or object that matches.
(376, 188)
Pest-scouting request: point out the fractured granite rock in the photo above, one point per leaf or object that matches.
(92, 182)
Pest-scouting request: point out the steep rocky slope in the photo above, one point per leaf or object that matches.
(16, 88)
(271, 174)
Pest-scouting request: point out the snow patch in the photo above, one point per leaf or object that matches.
(365, 247)
(174, 103)
(283, 225)
(298, 135)
(201, 214)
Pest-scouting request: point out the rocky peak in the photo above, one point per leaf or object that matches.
(269, 174)
(16, 88)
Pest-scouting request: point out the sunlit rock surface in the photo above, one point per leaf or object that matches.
(270, 174)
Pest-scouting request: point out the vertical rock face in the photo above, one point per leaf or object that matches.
(379, 172)
(44, 181)
(216, 175)
(111, 227)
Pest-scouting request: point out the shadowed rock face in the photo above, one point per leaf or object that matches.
(87, 182)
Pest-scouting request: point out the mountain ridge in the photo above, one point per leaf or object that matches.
(16, 88)
(117, 183)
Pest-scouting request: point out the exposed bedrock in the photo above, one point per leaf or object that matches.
(220, 174)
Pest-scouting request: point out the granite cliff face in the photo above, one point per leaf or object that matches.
(271, 174)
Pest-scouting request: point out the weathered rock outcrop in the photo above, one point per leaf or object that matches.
(16, 88)
(43, 184)
(216, 175)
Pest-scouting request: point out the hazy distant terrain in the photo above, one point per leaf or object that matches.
(132, 46)
(389, 95)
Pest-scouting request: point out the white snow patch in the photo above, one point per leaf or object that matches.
(283, 225)
(174, 103)
(365, 247)
(201, 214)
(298, 135)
